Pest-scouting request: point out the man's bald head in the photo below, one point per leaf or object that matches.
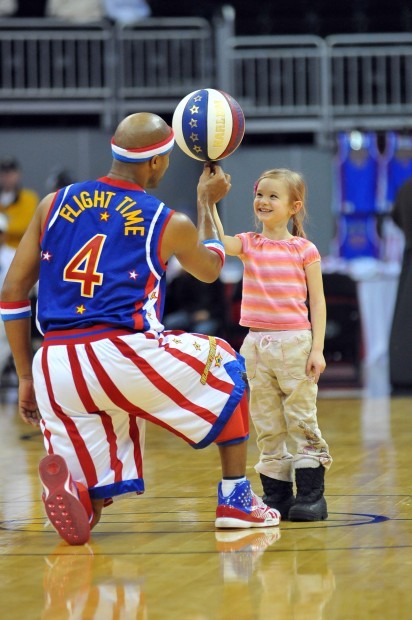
(139, 130)
(140, 148)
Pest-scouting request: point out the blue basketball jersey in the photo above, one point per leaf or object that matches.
(357, 168)
(100, 258)
(357, 174)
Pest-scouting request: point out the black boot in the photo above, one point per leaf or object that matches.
(310, 504)
(278, 494)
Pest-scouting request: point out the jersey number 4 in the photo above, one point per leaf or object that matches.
(82, 267)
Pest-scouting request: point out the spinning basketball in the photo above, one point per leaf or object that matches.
(208, 124)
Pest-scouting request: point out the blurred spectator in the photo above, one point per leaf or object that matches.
(402, 212)
(8, 8)
(117, 11)
(75, 10)
(126, 11)
(6, 256)
(16, 202)
(400, 345)
(58, 178)
(195, 306)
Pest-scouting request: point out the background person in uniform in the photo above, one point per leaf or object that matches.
(100, 251)
(17, 203)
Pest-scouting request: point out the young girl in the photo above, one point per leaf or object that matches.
(284, 349)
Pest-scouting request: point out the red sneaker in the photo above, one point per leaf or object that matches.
(243, 509)
(61, 500)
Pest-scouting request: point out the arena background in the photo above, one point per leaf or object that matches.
(86, 154)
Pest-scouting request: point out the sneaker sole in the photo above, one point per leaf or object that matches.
(65, 512)
(232, 523)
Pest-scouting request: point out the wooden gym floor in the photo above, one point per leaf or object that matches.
(158, 556)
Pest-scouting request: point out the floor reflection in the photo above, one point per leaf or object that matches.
(298, 584)
(240, 551)
(376, 379)
(283, 583)
(79, 585)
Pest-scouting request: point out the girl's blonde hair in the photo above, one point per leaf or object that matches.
(297, 191)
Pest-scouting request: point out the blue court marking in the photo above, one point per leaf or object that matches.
(368, 519)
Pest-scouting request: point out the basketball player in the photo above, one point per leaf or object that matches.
(100, 251)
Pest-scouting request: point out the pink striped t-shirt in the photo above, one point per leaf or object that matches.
(274, 281)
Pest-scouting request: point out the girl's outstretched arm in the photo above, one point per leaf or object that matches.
(316, 362)
(233, 245)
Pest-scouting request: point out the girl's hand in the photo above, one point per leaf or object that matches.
(315, 365)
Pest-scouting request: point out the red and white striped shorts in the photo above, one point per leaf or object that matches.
(96, 387)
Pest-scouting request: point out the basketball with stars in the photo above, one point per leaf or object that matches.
(208, 124)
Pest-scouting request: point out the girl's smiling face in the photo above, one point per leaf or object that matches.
(272, 205)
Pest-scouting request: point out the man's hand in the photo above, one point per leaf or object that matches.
(213, 184)
(28, 409)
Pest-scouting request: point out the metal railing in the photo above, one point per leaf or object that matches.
(284, 83)
(278, 82)
(47, 66)
(370, 79)
(162, 60)
(309, 84)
